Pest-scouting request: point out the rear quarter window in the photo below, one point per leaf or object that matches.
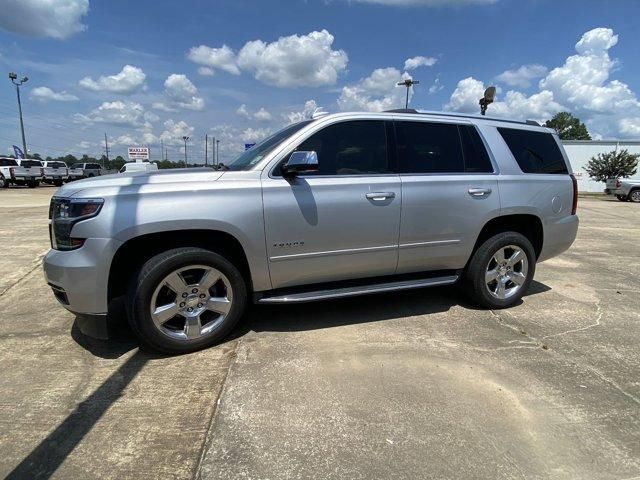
(535, 152)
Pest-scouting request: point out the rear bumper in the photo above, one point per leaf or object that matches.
(559, 235)
(80, 277)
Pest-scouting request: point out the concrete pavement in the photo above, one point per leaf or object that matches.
(412, 385)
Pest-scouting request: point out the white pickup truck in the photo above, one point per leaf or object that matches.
(624, 189)
(55, 172)
(13, 173)
(34, 169)
(85, 170)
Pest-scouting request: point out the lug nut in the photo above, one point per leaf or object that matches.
(184, 295)
(202, 295)
(199, 305)
(190, 309)
(182, 304)
(195, 290)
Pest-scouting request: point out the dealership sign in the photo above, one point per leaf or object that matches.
(138, 153)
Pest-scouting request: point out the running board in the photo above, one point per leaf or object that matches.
(325, 294)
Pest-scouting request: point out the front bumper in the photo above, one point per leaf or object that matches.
(80, 278)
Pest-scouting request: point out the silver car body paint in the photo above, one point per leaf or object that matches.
(313, 229)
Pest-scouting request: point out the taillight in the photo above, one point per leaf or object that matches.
(618, 183)
(574, 207)
(42, 172)
(12, 172)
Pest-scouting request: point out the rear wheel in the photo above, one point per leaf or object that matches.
(186, 299)
(33, 183)
(634, 196)
(57, 183)
(622, 198)
(501, 270)
(4, 183)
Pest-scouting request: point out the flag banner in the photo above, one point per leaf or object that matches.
(18, 153)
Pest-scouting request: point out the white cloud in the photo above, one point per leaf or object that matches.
(428, 3)
(180, 92)
(522, 76)
(174, 131)
(435, 87)
(116, 113)
(377, 92)
(44, 18)
(127, 81)
(310, 106)
(581, 85)
(261, 115)
(206, 71)
(419, 61)
(253, 135)
(44, 94)
(222, 58)
(294, 61)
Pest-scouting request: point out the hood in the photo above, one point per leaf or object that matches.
(133, 179)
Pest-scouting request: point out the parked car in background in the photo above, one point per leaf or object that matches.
(30, 173)
(138, 167)
(345, 204)
(85, 170)
(12, 173)
(55, 172)
(624, 189)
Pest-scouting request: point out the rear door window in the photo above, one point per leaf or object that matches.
(428, 147)
(535, 152)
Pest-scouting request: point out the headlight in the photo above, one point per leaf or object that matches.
(64, 213)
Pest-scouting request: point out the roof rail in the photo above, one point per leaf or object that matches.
(461, 115)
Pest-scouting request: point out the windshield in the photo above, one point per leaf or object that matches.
(256, 153)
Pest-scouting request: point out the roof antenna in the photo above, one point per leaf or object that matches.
(489, 95)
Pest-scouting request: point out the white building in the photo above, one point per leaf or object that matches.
(581, 151)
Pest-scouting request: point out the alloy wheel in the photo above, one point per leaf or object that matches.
(506, 272)
(191, 302)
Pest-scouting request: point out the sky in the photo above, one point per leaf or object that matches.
(147, 73)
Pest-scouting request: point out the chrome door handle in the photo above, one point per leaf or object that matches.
(479, 192)
(380, 196)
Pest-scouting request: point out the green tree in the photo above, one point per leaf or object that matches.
(616, 164)
(568, 127)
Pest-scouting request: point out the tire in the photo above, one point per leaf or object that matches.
(149, 288)
(58, 183)
(4, 183)
(33, 184)
(634, 196)
(483, 265)
(622, 198)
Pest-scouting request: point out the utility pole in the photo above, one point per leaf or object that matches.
(206, 151)
(106, 147)
(217, 152)
(161, 149)
(409, 82)
(14, 79)
(185, 138)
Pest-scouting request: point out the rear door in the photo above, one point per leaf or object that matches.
(341, 222)
(449, 190)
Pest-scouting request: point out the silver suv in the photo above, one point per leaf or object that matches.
(345, 204)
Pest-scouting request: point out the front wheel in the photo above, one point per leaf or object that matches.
(634, 196)
(622, 198)
(186, 299)
(4, 183)
(501, 270)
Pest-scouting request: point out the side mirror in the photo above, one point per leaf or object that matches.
(300, 162)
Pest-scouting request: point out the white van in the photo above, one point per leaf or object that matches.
(138, 167)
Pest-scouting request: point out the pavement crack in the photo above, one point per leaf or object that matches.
(212, 420)
(574, 330)
(613, 383)
(23, 277)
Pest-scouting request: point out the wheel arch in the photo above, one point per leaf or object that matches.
(526, 224)
(133, 253)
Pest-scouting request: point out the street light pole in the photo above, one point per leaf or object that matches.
(217, 152)
(14, 79)
(409, 82)
(185, 138)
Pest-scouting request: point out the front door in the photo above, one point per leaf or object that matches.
(341, 222)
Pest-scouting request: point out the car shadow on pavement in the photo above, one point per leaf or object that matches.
(356, 310)
(45, 459)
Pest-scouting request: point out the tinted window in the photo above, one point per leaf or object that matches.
(30, 163)
(350, 148)
(476, 158)
(93, 165)
(425, 147)
(535, 152)
(8, 162)
(77, 165)
(56, 165)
